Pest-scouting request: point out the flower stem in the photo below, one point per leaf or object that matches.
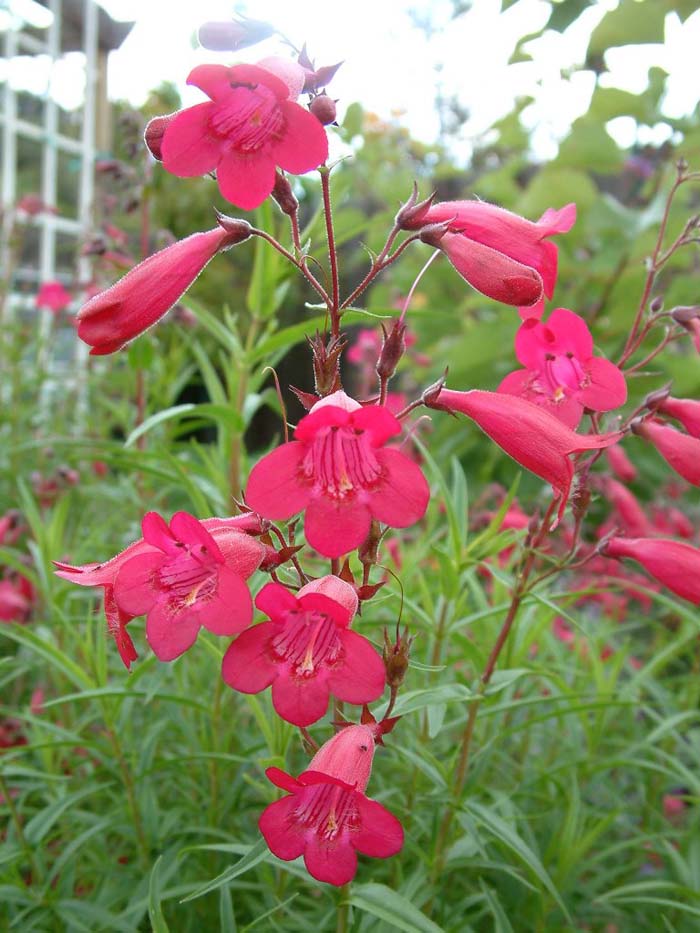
(332, 252)
(343, 905)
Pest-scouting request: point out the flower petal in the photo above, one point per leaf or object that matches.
(274, 489)
(304, 144)
(361, 677)
(134, 587)
(170, 634)
(381, 833)
(247, 666)
(246, 180)
(403, 497)
(336, 526)
(188, 147)
(284, 836)
(334, 862)
(298, 701)
(607, 389)
(230, 609)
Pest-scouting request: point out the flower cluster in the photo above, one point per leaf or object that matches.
(346, 476)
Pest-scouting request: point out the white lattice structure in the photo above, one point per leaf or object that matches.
(49, 149)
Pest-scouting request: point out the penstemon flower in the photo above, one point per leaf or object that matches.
(673, 563)
(306, 651)
(326, 816)
(338, 470)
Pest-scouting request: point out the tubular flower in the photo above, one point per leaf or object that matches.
(250, 125)
(672, 563)
(621, 464)
(339, 471)
(561, 372)
(680, 451)
(326, 816)
(526, 432)
(306, 651)
(499, 253)
(626, 505)
(183, 576)
(685, 410)
(148, 291)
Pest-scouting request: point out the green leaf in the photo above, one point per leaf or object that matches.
(508, 836)
(631, 23)
(432, 696)
(257, 853)
(390, 906)
(155, 911)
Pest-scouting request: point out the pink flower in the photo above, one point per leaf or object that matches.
(561, 372)
(526, 432)
(563, 631)
(148, 291)
(53, 296)
(628, 509)
(499, 253)
(674, 564)
(621, 464)
(339, 471)
(685, 410)
(680, 451)
(306, 652)
(250, 125)
(182, 576)
(326, 816)
(16, 599)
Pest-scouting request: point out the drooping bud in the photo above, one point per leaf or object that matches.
(685, 410)
(153, 134)
(239, 229)
(674, 564)
(680, 451)
(324, 109)
(347, 756)
(232, 35)
(283, 194)
(412, 215)
(393, 348)
(396, 657)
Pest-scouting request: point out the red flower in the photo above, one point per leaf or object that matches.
(339, 471)
(16, 598)
(561, 372)
(326, 816)
(632, 517)
(680, 451)
(621, 464)
(148, 291)
(499, 253)
(306, 652)
(526, 432)
(183, 576)
(250, 125)
(53, 296)
(674, 564)
(685, 410)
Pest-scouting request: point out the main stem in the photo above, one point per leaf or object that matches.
(460, 774)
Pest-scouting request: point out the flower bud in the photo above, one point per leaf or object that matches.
(153, 134)
(393, 348)
(283, 194)
(326, 361)
(656, 305)
(413, 213)
(323, 108)
(396, 658)
(231, 35)
(239, 229)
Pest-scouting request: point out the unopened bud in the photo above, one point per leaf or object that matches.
(231, 35)
(656, 305)
(433, 233)
(581, 499)
(654, 399)
(323, 108)
(413, 213)
(396, 657)
(238, 229)
(368, 550)
(393, 348)
(154, 132)
(283, 194)
(326, 360)
(684, 314)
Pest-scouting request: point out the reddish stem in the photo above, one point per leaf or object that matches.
(332, 252)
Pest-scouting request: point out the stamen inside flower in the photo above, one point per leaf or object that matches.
(308, 640)
(341, 460)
